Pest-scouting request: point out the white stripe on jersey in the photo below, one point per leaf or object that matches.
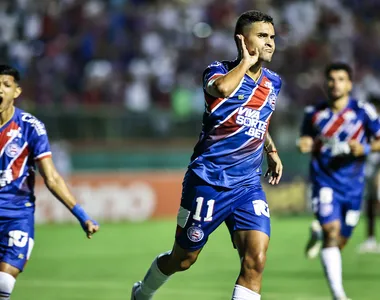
(360, 136)
(23, 166)
(42, 155)
(353, 131)
(329, 124)
(236, 132)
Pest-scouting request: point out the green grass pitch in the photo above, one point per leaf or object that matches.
(64, 265)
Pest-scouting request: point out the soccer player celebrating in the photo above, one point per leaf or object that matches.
(222, 183)
(24, 144)
(338, 133)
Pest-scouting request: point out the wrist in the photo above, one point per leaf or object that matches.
(272, 152)
(245, 64)
(80, 214)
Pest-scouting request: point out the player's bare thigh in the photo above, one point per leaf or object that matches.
(252, 246)
(7, 268)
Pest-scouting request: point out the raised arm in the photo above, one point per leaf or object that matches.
(224, 85)
(57, 186)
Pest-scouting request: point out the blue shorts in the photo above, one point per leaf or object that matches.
(204, 207)
(331, 205)
(16, 241)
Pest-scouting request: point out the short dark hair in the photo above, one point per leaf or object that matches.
(338, 66)
(8, 70)
(249, 17)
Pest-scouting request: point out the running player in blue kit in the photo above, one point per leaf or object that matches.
(23, 145)
(222, 183)
(339, 133)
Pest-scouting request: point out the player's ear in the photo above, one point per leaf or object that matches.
(18, 92)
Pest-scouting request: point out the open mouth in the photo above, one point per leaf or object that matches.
(1, 100)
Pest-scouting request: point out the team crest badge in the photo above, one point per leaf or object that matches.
(12, 150)
(272, 100)
(195, 234)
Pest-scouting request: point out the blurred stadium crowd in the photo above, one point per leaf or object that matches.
(145, 57)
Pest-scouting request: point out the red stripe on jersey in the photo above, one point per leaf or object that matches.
(357, 132)
(19, 162)
(228, 127)
(253, 145)
(211, 101)
(335, 126)
(260, 95)
(4, 138)
(314, 118)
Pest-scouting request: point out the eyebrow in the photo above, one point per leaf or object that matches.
(265, 34)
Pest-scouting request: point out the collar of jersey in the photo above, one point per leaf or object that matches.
(258, 79)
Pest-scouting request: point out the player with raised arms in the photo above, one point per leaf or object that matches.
(24, 145)
(222, 183)
(339, 133)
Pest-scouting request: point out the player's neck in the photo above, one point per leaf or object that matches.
(339, 104)
(255, 72)
(6, 115)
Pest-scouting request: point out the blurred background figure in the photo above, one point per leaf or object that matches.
(372, 175)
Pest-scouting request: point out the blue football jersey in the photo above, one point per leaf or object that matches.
(229, 152)
(332, 164)
(23, 140)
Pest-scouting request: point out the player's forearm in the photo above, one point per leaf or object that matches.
(269, 145)
(59, 189)
(226, 84)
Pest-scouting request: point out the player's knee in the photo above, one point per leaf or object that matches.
(7, 283)
(331, 236)
(331, 239)
(186, 262)
(254, 263)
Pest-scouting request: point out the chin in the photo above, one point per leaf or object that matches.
(267, 59)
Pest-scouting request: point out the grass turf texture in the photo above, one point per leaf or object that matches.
(64, 265)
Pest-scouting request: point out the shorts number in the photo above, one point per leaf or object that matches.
(210, 210)
(17, 238)
(325, 195)
(352, 217)
(261, 208)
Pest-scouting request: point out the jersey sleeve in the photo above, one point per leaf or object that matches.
(39, 142)
(372, 121)
(213, 71)
(307, 128)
